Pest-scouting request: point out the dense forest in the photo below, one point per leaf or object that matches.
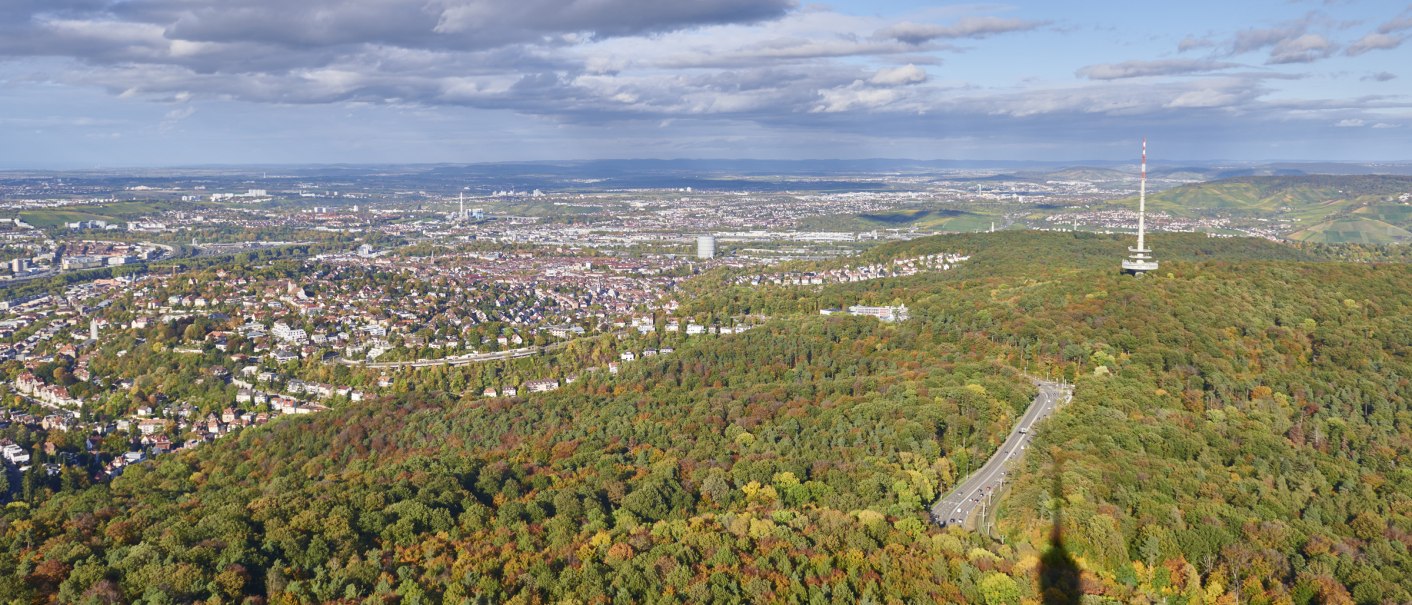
(1235, 437)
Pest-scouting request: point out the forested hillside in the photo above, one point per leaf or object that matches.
(1237, 422)
(1235, 437)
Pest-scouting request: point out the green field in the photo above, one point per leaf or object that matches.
(116, 212)
(1353, 231)
(1397, 214)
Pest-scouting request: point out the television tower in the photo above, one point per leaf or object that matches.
(462, 216)
(1140, 261)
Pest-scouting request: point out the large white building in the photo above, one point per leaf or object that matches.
(898, 313)
(542, 386)
(706, 247)
(284, 332)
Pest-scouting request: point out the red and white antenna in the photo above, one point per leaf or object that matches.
(1141, 260)
(1142, 202)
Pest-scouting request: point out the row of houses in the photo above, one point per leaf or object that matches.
(900, 267)
(633, 356)
(542, 385)
(47, 394)
(646, 325)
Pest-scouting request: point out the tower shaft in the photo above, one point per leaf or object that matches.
(1142, 202)
(1141, 260)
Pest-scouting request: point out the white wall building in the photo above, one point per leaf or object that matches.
(706, 247)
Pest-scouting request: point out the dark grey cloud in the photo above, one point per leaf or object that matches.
(389, 51)
(572, 60)
(458, 24)
(214, 34)
(17, 12)
(969, 27)
(1139, 69)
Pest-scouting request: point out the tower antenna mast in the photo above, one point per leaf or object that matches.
(1142, 201)
(1140, 261)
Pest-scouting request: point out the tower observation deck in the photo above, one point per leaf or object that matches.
(1140, 259)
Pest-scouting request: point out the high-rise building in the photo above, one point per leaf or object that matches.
(1140, 261)
(706, 247)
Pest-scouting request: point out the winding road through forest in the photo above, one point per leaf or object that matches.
(957, 506)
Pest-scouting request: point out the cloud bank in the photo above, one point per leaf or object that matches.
(776, 64)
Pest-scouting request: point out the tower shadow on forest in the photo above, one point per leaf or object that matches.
(1058, 572)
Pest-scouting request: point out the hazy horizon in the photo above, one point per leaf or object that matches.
(967, 163)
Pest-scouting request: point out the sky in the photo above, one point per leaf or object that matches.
(114, 83)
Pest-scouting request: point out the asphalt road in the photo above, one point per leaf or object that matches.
(956, 507)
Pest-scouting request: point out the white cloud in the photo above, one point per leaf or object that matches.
(1303, 49)
(1397, 24)
(1248, 40)
(968, 27)
(724, 61)
(1138, 69)
(1192, 43)
(899, 76)
(1205, 98)
(1374, 41)
(853, 97)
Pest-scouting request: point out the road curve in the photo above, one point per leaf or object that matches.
(957, 506)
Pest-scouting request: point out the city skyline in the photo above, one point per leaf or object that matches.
(90, 83)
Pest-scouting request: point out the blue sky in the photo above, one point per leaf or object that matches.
(90, 83)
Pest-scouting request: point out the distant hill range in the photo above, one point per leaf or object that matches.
(630, 171)
(1371, 209)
